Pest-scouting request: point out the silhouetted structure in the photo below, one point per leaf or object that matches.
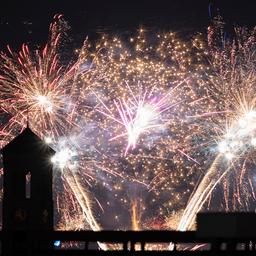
(226, 225)
(27, 201)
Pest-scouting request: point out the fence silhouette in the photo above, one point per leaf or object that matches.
(129, 243)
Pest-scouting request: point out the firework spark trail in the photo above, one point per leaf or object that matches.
(201, 194)
(135, 218)
(84, 201)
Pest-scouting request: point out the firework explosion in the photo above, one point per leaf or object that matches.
(35, 86)
(137, 123)
(141, 110)
(231, 85)
(36, 89)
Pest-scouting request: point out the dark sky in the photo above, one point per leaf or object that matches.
(28, 21)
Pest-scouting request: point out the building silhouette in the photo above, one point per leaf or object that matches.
(27, 200)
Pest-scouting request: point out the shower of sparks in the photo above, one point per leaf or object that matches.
(137, 102)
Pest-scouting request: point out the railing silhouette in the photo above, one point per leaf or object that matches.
(130, 243)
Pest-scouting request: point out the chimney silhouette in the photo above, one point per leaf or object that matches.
(27, 200)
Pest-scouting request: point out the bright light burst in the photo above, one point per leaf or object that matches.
(45, 103)
(240, 137)
(64, 158)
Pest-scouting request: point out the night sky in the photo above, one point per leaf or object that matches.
(28, 21)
